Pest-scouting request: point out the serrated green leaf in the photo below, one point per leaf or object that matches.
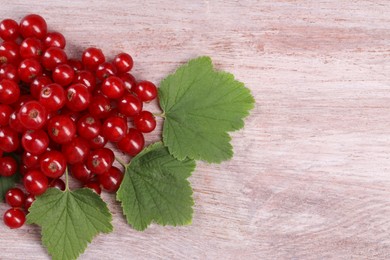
(201, 105)
(6, 183)
(155, 188)
(69, 220)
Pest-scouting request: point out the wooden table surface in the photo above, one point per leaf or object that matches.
(310, 178)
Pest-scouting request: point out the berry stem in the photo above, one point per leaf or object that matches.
(121, 162)
(66, 179)
(159, 115)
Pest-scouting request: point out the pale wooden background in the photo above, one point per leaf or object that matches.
(311, 174)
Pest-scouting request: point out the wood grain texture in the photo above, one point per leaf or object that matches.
(310, 178)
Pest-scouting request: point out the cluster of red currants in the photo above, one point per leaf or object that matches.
(58, 113)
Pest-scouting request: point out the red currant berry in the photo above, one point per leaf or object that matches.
(76, 150)
(8, 166)
(100, 106)
(9, 139)
(114, 128)
(92, 58)
(132, 143)
(99, 160)
(97, 142)
(145, 90)
(58, 183)
(32, 115)
(15, 124)
(53, 164)
(88, 127)
(37, 85)
(14, 218)
(94, 186)
(81, 172)
(123, 62)
(113, 87)
(52, 97)
(29, 201)
(9, 71)
(129, 81)
(31, 48)
(78, 97)
(9, 30)
(61, 129)
(35, 141)
(53, 57)
(63, 74)
(33, 25)
(86, 78)
(111, 179)
(105, 70)
(129, 105)
(35, 182)
(9, 53)
(31, 161)
(55, 39)
(29, 69)
(145, 122)
(76, 65)
(15, 197)
(9, 91)
(5, 113)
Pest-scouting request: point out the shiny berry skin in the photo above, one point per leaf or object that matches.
(9, 71)
(100, 106)
(76, 64)
(52, 97)
(29, 201)
(92, 58)
(32, 115)
(14, 123)
(113, 87)
(76, 150)
(129, 105)
(15, 197)
(31, 48)
(53, 57)
(35, 141)
(145, 122)
(31, 161)
(9, 92)
(61, 129)
(9, 139)
(35, 182)
(123, 62)
(114, 128)
(129, 81)
(9, 30)
(98, 142)
(86, 78)
(63, 74)
(80, 172)
(78, 97)
(8, 166)
(99, 160)
(132, 143)
(53, 164)
(55, 39)
(14, 218)
(37, 85)
(33, 25)
(58, 183)
(29, 69)
(88, 126)
(111, 179)
(9, 53)
(94, 186)
(105, 70)
(145, 90)
(5, 113)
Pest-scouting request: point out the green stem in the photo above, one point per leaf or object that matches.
(121, 161)
(159, 115)
(66, 179)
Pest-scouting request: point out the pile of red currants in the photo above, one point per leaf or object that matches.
(58, 113)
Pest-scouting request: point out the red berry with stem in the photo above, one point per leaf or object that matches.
(31, 161)
(105, 70)
(129, 105)
(88, 126)
(5, 113)
(29, 69)
(78, 97)
(98, 142)
(9, 30)
(33, 25)
(145, 90)
(58, 183)
(52, 97)
(32, 115)
(145, 122)
(53, 57)
(129, 81)
(99, 160)
(76, 150)
(86, 78)
(132, 143)
(54, 39)
(100, 106)
(9, 53)
(92, 58)
(29, 201)
(14, 218)
(61, 129)
(15, 197)
(114, 128)
(63, 74)
(81, 172)
(8, 166)
(53, 164)
(111, 179)
(9, 139)
(9, 71)
(35, 182)
(123, 62)
(94, 186)
(31, 48)
(9, 91)
(35, 141)
(113, 87)
(37, 84)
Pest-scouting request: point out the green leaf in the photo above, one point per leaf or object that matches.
(6, 183)
(155, 188)
(201, 105)
(69, 220)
